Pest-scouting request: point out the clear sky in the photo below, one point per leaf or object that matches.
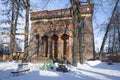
(52, 4)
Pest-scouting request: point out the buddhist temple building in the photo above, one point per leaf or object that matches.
(51, 34)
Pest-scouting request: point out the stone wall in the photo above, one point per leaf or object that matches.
(53, 27)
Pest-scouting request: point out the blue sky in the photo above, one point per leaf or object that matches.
(101, 14)
(53, 4)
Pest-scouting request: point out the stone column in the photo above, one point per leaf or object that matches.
(60, 47)
(49, 40)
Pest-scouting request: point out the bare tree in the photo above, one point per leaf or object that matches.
(107, 30)
(15, 6)
(75, 47)
(12, 25)
(27, 7)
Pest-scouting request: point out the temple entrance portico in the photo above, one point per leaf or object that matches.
(54, 45)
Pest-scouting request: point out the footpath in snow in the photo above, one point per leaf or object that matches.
(90, 70)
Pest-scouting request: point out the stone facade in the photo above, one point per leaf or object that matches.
(51, 34)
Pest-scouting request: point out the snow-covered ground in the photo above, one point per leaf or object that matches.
(90, 70)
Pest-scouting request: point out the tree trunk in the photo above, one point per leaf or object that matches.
(75, 47)
(26, 30)
(14, 28)
(119, 34)
(80, 48)
(107, 30)
(113, 43)
(11, 34)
